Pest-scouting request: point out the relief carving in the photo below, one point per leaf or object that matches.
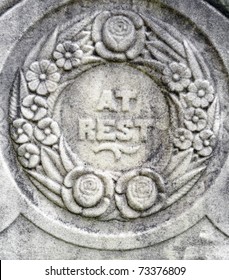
(151, 47)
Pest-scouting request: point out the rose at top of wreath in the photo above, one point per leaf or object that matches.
(34, 107)
(87, 192)
(47, 131)
(118, 35)
(68, 55)
(43, 77)
(200, 94)
(21, 131)
(177, 76)
(140, 193)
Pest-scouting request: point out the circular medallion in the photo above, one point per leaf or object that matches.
(116, 121)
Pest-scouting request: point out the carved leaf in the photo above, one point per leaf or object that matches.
(214, 116)
(202, 63)
(183, 180)
(158, 54)
(50, 195)
(52, 165)
(23, 87)
(45, 181)
(49, 45)
(54, 96)
(198, 163)
(183, 190)
(33, 55)
(166, 50)
(72, 31)
(167, 37)
(69, 159)
(179, 164)
(14, 100)
(193, 63)
(175, 102)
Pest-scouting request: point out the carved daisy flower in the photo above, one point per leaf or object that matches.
(87, 192)
(204, 142)
(140, 193)
(43, 77)
(68, 55)
(118, 35)
(22, 131)
(200, 94)
(183, 138)
(34, 107)
(195, 119)
(47, 131)
(29, 155)
(177, 76)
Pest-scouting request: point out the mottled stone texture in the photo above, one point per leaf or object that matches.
(114, 129)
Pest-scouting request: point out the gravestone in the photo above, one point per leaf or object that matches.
(114, 130)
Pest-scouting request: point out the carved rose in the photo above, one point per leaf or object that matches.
(47, 131)
(195, 119)
(22, 131)
(204, 142)
(183, 138)
(68, 55)
(87, 192)
(43, 77)
(177, 76)
(29, 155)
(34, 107)
(118, 36)
(140, 193)
(200, 94)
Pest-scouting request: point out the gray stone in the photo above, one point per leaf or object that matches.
(114, 130)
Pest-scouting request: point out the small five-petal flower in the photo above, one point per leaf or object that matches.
(22, 131)
(183, 138)
(29, 155)
(43, 77)
(67, 55)
(195, 119)
(177, 76)
(204, 142)
(34, 107)
(47, 131)
(200, 94)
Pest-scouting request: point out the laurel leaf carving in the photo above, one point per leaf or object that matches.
(14, 100)
(45, 181)
(185, 179)
(51, 101)
(72, 31)
(183, 190)
(156, 53)
(166, 50)
(179, 164)
(33, 55)
(49, 45)
(205, 70)
(214, 116)
(167, 37)
(69, 159)
(193, 63)
(52, 165)
(23, 87)
(50, 195)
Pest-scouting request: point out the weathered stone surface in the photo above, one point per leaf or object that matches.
(113, 130)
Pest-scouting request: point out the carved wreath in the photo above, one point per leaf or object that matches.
(144, 43)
